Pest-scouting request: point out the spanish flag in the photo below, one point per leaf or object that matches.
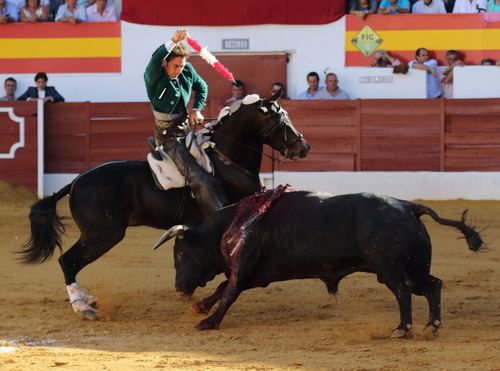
(88, 47)
(474, 36)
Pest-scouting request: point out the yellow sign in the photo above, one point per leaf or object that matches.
(367, 40)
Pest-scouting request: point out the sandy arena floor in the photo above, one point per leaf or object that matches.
(294, 325)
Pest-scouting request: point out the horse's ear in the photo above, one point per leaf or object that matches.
(175, 231)
(276, 95)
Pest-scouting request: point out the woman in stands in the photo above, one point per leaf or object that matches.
(33, 12)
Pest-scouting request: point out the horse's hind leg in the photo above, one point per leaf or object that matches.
(85, 251)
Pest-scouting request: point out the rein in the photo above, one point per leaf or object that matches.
(248, 147)
(235, 164)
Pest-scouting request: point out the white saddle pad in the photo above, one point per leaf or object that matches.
(166, 171)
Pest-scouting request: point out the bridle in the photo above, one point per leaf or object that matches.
(277, 125)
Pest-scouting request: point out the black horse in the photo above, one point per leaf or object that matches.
(107, 199)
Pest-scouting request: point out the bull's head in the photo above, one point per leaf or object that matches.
(194, 264)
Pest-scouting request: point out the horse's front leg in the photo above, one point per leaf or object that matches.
(81, 302)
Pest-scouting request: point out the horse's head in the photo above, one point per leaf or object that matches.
(277, 130)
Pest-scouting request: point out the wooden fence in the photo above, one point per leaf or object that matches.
(356, 135)
(19, 144)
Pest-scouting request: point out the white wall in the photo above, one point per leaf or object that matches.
(476, 82)
(406, 185)
(317, 48)
(366, 82)
(310, 47)
(425, 185)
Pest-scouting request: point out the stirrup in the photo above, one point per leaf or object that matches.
(152, 147)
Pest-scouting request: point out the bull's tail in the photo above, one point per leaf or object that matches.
(46, 229)
(472, 237)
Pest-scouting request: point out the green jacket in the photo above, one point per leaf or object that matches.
(157, 80)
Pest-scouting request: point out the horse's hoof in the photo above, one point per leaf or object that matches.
(398, 334)
(93, 304)
(90, 314)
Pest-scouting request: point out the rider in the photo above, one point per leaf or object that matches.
(169, 80)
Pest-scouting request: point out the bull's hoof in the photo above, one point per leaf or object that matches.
(199, 308)
(206, 324)
(89, 314)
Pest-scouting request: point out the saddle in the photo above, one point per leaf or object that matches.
(165, 172)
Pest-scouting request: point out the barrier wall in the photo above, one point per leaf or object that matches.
(19, 144)
(419, 135)
(357, 135)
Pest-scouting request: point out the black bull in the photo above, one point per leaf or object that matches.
(316, 235)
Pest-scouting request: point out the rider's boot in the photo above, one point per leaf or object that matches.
(207, 190)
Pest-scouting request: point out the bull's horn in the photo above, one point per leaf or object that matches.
(175, 231)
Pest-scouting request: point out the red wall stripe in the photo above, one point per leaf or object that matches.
(60, 30)
(61, 65)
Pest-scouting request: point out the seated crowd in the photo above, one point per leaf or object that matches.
(70, 11)
(362, 8)
(439, 78)
(40, 91)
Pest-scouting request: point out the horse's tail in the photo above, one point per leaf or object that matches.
(46, 229)
(474, 240)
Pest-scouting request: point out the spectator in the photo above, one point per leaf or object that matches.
(33, 12)
(314, 88)
(363, 7)
(453, 60)
(382, 59)
(101, 12)
(53, 7)
(10, 86)
(428, 7)
(86, 3)
(449, 4)
(42, 91)
(423, 62)
(394, 7)
(332, 90)
(9, 12)
(71, 12)
(276, 87)
(487, 62)
(493, 6)
(470, 6)
(238, 90)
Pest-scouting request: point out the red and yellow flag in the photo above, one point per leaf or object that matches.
(87, 47)
(474, 36)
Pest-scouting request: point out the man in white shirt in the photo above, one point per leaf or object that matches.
(470, 6)
(332, 90)
(71, 12)
(101, 12)
(10, 86)
(9, 12)
(428, 7)
(423, 62)
(314, 88)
